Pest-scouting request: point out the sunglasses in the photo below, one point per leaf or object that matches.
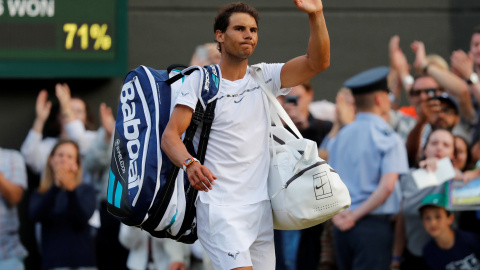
(431, 92)
(448, 111)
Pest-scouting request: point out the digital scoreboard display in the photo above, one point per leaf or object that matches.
(63, 38)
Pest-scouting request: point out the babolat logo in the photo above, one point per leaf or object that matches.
(130, 131)
(207, 80)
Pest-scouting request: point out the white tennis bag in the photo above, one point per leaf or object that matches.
(304, 190)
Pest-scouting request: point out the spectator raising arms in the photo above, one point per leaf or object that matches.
(63, 205)
(73, 119)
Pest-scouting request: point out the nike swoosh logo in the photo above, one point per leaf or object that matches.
(184, 94)
(320, 186)
(237, 101)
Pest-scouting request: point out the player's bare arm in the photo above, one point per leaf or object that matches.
(317, 59)
(200, 177)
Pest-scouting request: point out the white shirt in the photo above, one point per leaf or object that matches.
(237, 151)
(36, 149)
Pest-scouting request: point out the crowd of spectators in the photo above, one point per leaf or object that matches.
(71, 160)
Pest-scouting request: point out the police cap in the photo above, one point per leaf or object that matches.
(371, 80)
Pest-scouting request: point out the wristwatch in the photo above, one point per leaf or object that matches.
(189, 161)
(473, 78)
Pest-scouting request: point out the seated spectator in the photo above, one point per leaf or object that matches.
(449, 249)
(63, 206)
(13, 182)
(74, 120)
(410, 236)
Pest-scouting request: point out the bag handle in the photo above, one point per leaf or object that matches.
(256, 72)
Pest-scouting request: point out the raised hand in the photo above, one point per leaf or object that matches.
(64, 97)
(43, 106)
(107, 119)
(462, 64)
(42, 110)
(420, 56)
(63, 94)
(398, 61)
(345, 108)
(309, 6)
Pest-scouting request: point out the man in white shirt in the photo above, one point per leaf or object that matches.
(234, 217)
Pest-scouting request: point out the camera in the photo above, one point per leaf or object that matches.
(291, 99)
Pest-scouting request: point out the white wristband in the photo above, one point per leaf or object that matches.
(407, 80)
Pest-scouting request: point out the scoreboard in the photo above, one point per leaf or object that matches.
(63, 38)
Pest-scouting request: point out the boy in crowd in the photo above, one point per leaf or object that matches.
(449, 248)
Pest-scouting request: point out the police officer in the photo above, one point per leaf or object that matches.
(369, 156)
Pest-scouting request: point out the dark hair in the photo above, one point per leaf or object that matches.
(89, 117)
(476, 30)
(468, 162)
(223, 17)
(422, 209)
(364, 101)
(308, 86)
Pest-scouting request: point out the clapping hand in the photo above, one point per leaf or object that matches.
(42, 110)
(108, 121)
(420, 56)
(43, 106)
(64, 97)
(65, 175)
(462, 64)
(398, 61)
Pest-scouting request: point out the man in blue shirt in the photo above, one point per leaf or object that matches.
(369, 157)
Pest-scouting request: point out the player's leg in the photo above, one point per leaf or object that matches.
(262, 251)
(226, 233)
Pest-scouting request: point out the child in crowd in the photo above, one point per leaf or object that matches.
(449, 248)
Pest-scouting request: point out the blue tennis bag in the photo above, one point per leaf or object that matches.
(145, 189)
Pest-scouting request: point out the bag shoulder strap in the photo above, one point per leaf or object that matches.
(257, 74)
(206, 118)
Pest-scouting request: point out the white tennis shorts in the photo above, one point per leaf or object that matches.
(237, 236)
